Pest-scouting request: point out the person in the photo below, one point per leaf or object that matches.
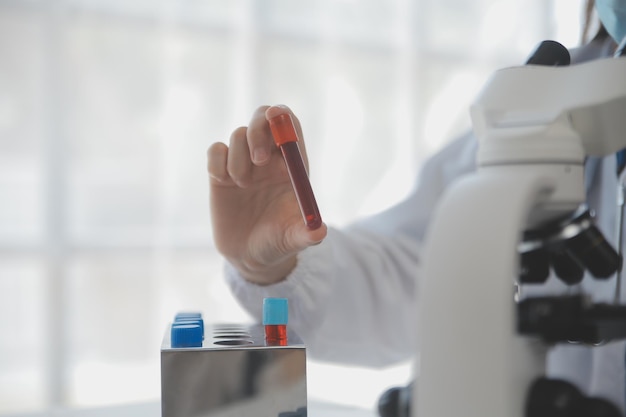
(352, 291)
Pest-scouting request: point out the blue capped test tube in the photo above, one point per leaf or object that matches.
(275, 318)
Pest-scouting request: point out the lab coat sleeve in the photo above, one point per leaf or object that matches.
(352, 298)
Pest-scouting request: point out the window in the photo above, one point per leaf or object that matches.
(107, 109)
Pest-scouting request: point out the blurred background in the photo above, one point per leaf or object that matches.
(107, 108)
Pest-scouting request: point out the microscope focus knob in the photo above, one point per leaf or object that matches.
(396, 402)
(597, 407)
(558, 398)
(554, 398)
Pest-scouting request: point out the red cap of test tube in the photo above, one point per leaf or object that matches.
(275, 318)
(283, 129)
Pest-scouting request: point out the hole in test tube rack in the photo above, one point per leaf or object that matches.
(232, 336)
(228, 327)
(233, 342)
(230, 332)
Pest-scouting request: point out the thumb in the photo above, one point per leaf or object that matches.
(300, 237)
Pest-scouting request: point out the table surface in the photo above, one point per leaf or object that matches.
(315, 409)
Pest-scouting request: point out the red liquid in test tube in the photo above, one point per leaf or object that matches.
(276, 335)
(275, 318)
(286, 139)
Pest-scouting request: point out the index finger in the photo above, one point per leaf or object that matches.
(259, 137)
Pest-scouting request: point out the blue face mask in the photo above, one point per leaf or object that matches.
(612, 13)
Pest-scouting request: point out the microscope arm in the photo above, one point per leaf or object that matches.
(467, 294)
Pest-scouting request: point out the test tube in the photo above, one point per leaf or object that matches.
(275, 318)
(286, 139)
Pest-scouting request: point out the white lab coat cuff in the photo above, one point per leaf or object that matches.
(307, 287)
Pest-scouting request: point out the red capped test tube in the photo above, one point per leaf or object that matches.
(275, 318)
(286, 139)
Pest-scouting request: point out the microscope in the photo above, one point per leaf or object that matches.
(522, 214)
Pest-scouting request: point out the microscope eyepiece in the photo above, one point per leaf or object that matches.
(549, 53)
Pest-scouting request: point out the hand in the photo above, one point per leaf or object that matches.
(257, 224)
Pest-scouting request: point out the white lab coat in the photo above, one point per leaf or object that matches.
(352, 297)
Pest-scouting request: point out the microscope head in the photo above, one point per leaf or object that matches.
(551, 114)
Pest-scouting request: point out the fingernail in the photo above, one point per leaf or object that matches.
(260, 155)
